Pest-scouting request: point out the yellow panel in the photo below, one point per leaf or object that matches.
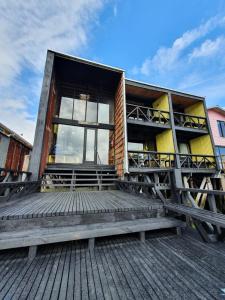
(161, 103)
(201, 145)
(164, 141)
(196, 109)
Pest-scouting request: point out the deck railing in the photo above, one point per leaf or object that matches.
(193, 161)
(154, 159)
(190, 121)
(13, 175)
(151, 159)
(147, 114)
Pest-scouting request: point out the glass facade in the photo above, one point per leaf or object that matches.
(88, 111)
(68, 144)
(78, 145)
(79, 110)
(66, 108)
(83, 144)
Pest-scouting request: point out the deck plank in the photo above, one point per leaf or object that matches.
(165, 267)
(63, 203)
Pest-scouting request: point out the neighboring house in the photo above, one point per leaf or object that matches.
(217, 122)
(14, 150)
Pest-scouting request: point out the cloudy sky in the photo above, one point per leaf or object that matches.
(173, 43)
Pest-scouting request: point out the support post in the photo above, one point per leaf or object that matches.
(91, 244)
(32, 252)
(179, 231)
(142, 236)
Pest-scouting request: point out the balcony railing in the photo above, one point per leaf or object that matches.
(151, 159)
(154, 159)
(193, 161)
(189, 121)
(147, 114)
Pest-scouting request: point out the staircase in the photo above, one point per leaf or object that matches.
(95, 178)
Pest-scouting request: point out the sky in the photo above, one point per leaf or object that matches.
(171, 43)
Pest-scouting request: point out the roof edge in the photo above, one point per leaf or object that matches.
(86, 61)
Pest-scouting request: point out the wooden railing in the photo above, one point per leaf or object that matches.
(193, 161)
(151, 159)
(13, 175)
(190, 121)
(10, 190)
(154, 159)
(147, 114)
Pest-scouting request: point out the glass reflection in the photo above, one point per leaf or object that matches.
(103, 146)
(66, 108)
(91, 114)
(103, 113)
(69, 144)
(79, 110)
(90, 145)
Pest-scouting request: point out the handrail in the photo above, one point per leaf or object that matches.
(188, 115)
(151, 159)
(154, 159)
(190, 121)
(151, 108)
(144, 113)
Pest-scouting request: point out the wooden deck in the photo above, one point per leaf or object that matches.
(166, 267)
(69, 203)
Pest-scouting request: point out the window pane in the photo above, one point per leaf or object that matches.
(69, 144)
(66, 108)
(90, 145)
(91, 115)
(223, 128)
(103, 146)
(79, 110)
(135, 146)
(103, 113)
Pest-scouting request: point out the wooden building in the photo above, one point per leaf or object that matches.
(91, 117)
(97, 130)
(14, 151)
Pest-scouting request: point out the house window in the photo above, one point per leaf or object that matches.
(221, 127)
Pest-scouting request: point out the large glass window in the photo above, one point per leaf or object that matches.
(91, 113)
(69, 144)
(85, 110)
(103, 113)
(90, 145)
(66, 108)
(103, 146)
(79, 110)
(135, 146)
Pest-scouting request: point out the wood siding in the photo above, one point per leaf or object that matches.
(15, 155)
(119, 129)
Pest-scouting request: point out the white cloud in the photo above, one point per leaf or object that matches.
(194, 62)
(209, 48)
(15, 113)
(167, 58)
(27, 30)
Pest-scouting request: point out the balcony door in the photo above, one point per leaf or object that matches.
(90, 146)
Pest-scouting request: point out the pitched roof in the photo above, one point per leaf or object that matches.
(10, 133)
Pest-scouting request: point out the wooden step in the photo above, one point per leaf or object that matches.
(15, 239)
(198, 214)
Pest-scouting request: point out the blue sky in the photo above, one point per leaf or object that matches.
(172, 43)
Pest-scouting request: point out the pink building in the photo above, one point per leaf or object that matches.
(217, 121)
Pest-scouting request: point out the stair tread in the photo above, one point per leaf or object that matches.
(42, 236)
